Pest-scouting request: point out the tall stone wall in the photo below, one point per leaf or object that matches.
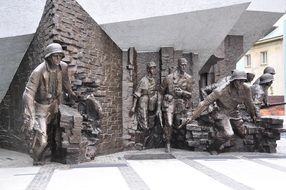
(95, 65)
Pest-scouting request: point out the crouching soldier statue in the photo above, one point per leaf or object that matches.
(228, 118)
(41, 100)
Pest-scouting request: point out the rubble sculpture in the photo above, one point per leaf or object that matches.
(146, 105)
(42, 97)
(176, 91)
(226, 115)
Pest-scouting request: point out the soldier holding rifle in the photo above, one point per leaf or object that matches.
(227, 98)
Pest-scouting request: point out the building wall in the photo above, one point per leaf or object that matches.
(92, 57)
(275, 59)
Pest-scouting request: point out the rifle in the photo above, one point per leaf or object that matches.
(272, 105)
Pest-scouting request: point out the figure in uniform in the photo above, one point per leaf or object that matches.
(260, 91)
(145, 103)
(41, 100)
(176, 91)
(269, 70)
(227, 98)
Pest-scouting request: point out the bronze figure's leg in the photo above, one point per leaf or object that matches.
(168, 122)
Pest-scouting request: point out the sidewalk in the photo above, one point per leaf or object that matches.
(148, 169)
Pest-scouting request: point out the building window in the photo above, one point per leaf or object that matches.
(263, 58)
(247, 59)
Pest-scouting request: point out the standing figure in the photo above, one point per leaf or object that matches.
(269, 70)
(227, 98)
(176, 90)
(41, 100)
(145, 103)
(260, 91)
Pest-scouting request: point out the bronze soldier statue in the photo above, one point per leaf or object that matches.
(176, 90)
(260, 91)
(208, 89)
(41, 100)
(269, 70)
(145, 104)
(227, 98)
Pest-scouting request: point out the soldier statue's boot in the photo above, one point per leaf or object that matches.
(168, 148)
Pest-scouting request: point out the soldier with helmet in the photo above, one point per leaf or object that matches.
(227, 98)
(260, 91)
(41, 100)
(145, 103)
(269, 70)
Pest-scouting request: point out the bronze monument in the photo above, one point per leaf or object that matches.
(226, 115)
(42, 97)
(176, 92)
(146, 104)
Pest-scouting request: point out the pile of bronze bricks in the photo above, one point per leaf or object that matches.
(70, 125)
(272, 129)
(198, 137)
(260, 137)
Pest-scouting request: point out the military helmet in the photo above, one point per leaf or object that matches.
(53, 48)
(269, 70)
(265, 78)
(182, 61)
(151, 64)
(238, 75)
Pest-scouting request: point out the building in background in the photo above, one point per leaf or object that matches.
(269, 51)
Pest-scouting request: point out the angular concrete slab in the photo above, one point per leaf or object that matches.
(253, 25)
(104, 12)
(199, 30)
(12, 51)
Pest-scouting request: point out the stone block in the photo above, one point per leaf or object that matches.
(191, 127)
(271, 121)
(193, 143)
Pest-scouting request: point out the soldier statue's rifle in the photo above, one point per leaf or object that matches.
(272, 105)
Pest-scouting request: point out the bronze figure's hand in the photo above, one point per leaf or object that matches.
(132, 111)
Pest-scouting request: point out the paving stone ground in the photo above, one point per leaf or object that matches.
(132, 169)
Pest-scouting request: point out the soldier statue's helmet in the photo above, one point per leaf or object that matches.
(53, 48)
(151, 64)
(182, 61)
(269, 70)
(266, 78)
(238, 75)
